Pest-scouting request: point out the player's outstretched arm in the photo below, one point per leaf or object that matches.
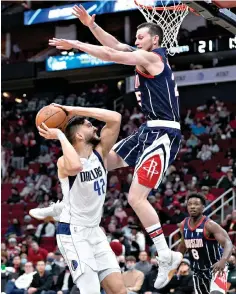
(102, 36)
(69, 164)
(182, 248)
(110, 131)
(222, 237)
(139, 57)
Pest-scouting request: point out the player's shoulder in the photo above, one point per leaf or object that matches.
(60, 162)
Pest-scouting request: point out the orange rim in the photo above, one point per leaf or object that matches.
(176, 7)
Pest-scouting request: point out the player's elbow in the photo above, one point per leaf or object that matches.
(117, 117)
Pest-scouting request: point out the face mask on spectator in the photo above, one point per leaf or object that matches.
(48, 267)
(177, 179)
(23, 260)
(130, 267)
(182, 189)
(50, 259)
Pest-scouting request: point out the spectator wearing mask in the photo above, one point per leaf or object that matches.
(36, 253)
(182, 282)
(232, 275)
(42, 280)
(133, 279)
(143, 265)
(23, 282)
(148, 285)
(51, 265)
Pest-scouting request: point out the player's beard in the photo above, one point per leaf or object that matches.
(94, 141)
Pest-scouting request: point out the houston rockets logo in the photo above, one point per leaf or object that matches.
(221, 281)
(150, 171)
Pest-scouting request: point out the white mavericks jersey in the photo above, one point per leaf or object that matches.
(84, 194)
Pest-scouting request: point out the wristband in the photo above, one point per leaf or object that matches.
(61, 136)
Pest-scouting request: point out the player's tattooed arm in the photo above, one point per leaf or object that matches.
(213, 229)
(101, 35)
(182, 248)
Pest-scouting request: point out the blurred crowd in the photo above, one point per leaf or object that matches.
(30, 258)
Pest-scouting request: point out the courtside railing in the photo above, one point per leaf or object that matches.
(220, 207)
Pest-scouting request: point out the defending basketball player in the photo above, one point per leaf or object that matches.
(83, 176)
(155, 145)
(209, 248)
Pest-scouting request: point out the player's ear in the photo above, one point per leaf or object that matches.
(156, 39)
(79, 136)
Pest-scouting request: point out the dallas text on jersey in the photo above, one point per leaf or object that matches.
(90, 175)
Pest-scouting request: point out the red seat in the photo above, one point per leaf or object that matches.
(22, 173)
(49, 243)
(168, 229)
(217, 191)
(30, 206)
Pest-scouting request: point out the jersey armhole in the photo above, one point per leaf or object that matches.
(100, 158)
(205, 233)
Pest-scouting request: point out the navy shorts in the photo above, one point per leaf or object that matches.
(150, 150)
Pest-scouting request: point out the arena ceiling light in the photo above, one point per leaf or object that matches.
(6, 94)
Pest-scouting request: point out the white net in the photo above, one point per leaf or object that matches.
(168, 19)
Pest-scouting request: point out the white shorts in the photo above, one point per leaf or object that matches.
(81, 246)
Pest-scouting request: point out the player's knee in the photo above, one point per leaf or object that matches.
(134, 201)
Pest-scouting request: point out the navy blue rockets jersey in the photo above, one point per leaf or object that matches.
(203, 250)
(158, 95)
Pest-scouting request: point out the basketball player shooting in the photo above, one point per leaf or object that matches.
(155, 145)
(83, 176)
(204, 240)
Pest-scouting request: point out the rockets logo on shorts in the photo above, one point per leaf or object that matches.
(150, 171)
(221, 282)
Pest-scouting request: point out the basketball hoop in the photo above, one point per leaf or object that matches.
(169, 18)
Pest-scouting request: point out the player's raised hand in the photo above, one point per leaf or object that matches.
(62, 44)
(81, 13)
(48, 133)
(68, 109)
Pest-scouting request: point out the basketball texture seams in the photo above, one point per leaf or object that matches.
(52, 116)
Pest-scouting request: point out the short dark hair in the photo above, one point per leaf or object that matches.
(154, 30)
(199, 196)
(130, 258)
(72, 126)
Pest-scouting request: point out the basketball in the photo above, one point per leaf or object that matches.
(53, 117)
